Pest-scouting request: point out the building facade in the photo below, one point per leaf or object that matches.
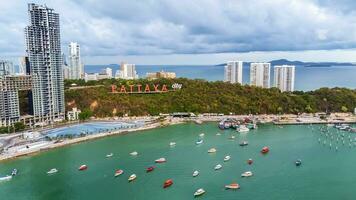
(44, 52)
(76, 68)
(6, 68)
(284, 76)
(260, 74)
(127, 71)
(161, 74)
(233, 72)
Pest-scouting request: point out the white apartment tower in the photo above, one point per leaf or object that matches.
(284, 77)
(76, 68)
(43, 47)
(127, 71)
(233, 72)
(260, 74)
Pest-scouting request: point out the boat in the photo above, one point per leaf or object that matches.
(251, 126)
(14, 172)
(150, 169)
(199, 192)
(132, 177)
(227, 158)
(242, 129)
(82, 168)
(118, 172)
(134, 153)
(244, 143)
(232, 137)
(218, 133)
(201, 135)
(212, 150)
(168, 183)
(195, 173)
(172, 144)
(265, 150)
(160, 160)
(246, 174)
(109, 155)
(5, 178)
(232, 186)
(249, 161)
(298, 162)
(199, 142)
(218, 166)
(52, 171)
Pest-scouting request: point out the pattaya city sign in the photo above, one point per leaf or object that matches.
(147, 88)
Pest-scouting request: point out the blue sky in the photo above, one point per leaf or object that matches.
(193, 31)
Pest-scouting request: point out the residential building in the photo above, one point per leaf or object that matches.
(73, 114)
(161, 74)
(127, 71)
(233, 72)
(260, 74)
(108, 72)
(66, 72)
(91, 77)
(43, 48)
(6, 68)
(24, 66)
(76, 68)
(284, 76)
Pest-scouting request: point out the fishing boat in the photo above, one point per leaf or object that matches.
(201, 135)
(199, 192)
(265, 150)
(160, 160)
(227, 158)
(199, 142)
(298, 162)
(168, 183)
(242, 129)
(218, 166)
(212, 150)
(195, 173)
(134, 153)
(14, 172)
(132, 177)
(150, 169)
(172, 144)
(5, 178)
(52, 171)
(109, 155)
(82, 168)
(249, 161)
(232, 186)
(246, 174)
(244, 143)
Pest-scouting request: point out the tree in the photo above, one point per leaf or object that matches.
(85, 114)
(344, 109)
(19, 126)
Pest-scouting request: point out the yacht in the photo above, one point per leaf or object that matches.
(160, 160)
(242, 129)
(109, 155)
(195, 173)
(172, 144)
(199, 142)
(227, 158)
(118, 172)
(246, 174)
(132, 177)
(52, 171)
(212, 150)
(232, 186)
(199, 192)
(134, 153)
(218, 166)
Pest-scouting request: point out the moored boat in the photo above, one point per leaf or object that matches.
(212, 150)
(82, 167)
(199, 142)
(232, 186)
(298, 162)
(172, 144)
(265, 150)
(134, 153)
(199, 192)
(118, 172)
(195, 173)
(150, 169)
(247, 174)
(218, 166)
(201, 135)
(160, 160)
(227, 158)
(109, 155)
(52, 171)
(242, 129)
(132, 177)
(244, 143)
(249, 161)
(168, 183)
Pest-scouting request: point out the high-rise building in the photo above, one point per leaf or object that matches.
(161, 74)
(24, 66)
(108, 72)
(233, 72)
(6, 68)
(260, 74)
(284, 77)
(45, 57)
(127, 71)
(76, 68)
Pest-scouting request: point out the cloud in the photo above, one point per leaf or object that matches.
(152, 27)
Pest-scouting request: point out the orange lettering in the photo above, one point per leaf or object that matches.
(113, 88)
(156, 88)
(131, 88)
(147, 88)
(123, 89)
(164, 88)
(139, 88)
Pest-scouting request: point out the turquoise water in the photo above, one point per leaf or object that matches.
(324, 174)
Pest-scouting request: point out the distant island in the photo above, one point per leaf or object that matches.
(302, 64)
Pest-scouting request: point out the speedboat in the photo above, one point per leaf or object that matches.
(168, 183)
(227, 158)
(246, 174)
(218, 166)
(118, 172)
(14, 172)
(82, 168)
(199, 192)
(265, 150)
(242, 129)
(232, 186)
(134, 153)
(298, 162)
(199, 142)
(249, 161)
(212, 150)
(132, 177)
(150, 169)
(52, 171)
(201, 135)
(244, 143)
(6, 178)
(195, 173)
(109, 155)
(172, 144)
(160, 160)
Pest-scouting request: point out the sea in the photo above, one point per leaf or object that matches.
(326, 172)
(306, 78)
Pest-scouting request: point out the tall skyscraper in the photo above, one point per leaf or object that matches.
(6, 68)
(260, 74)
(45, 57)
(284, 77)
(108, 72)
(76, 69)
(127, 71)
(233, 72)
(24, 66)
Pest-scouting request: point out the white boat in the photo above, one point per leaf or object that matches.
(212, 150)
(132, 177)
(134, 153)
(6, 178)
(195, 173)
(199, 192)
(199, 142)
(109, 155)
(52, 171)
(246, 174)
(227, 158)
(160, 160)
(201, 135)
(172, 144)
(218, 134)
(218, 166)
(232, 186)
(242, 129)
(232, 137)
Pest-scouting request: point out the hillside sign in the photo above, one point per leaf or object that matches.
(145, 89)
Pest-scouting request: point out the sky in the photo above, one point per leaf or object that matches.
(193, 31)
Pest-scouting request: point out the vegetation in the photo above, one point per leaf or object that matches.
(85, 114)
(18, 126)
(200, 96)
